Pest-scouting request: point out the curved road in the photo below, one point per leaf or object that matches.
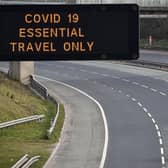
(135, 101)
(154, 56)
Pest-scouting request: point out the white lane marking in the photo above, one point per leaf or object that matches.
(105, 75)
(94, 73)
(135, 83)
(156, 126)
(162, 151)
(160, 141)
(159, 134)
(133, 99)
(144, 86)
(163, 160)
(139, 104)
(83, 70)
(145, 109)
(154, 90)
(95, 82)
(115, 77)
(163, 94)
(102, 162)
(149, 114)
(125, 80)
(153, 120)
(157, 129)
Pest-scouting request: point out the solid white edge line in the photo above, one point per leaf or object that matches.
(102, 162)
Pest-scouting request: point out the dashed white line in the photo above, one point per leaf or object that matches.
(163, 160)
(162, 151)
(156, 126)
(149, 114)
(163, 94)
(159, 134)
(125, 80)
(96, 73)
(115, 77)
(154, 90)
(139, 104)
(133, 99)
(160, 141)
(104, 75)
(145, 109)
(144, 86)
(135, 83)
(153, 120)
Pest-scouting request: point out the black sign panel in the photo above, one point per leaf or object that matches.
(69, 32)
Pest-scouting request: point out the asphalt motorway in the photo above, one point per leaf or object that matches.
(135, 101)
(154, 56)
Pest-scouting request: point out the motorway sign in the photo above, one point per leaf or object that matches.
(69, 32)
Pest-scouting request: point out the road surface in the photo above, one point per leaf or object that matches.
(135, 101)
(154, 56)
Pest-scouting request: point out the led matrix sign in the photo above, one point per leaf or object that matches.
(69, 32)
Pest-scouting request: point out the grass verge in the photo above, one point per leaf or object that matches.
(156, 45)
(18, 101)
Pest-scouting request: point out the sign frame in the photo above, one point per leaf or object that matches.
(133, 33)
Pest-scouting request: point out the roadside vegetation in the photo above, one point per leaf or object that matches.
(156, 44)
(17, 101)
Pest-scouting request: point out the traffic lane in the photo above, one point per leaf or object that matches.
(151, 82)
(117, 67)
(154, 56)
(152, 157)
(155, 101)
